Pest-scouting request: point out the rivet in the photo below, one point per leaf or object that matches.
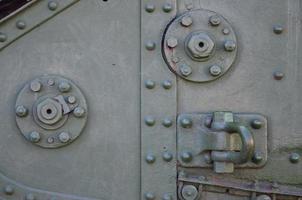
(294, 157)
(150, 45)
(186, 21)
(50, 82)
(263, 197)
(229, 45)
(35, 86)
(226, 31)
(150, 158)
(185, 70)
(3, 37)
(167, 156)
(186, 156)
(149, 7)
(167, 7)
(20, 24)
(21, 111)
(150, 84)
(149, 120)
(9, 190)
(167, 84)
(278, 75)
(50, 140)
(64, 86)
(34, 137)
(215, 20)
(64, 137)
(215, 70)
(172, 42)
(30, 196)
(79, 112)
(186, 122)
(256, 124)
(52, 5)
(167, 197)
(257, 158)
(71, 99)
(189, 192)
(167, 122)
(149, 196)
(278, 29)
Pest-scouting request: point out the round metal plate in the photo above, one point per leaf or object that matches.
(216, 28)
(43, 96)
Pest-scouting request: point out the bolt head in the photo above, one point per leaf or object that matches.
(35, 86)
(50, 140)
(64, 137)
(71, 99)
(149, 121)
(79, 112)
(167, 122)
(226, 31)
(278, 29)
(9, 190)
(150, 45)
(186, 122)
(200, 46)
(257, 158)
(229, 45)
(256, 124)
(3, 37)
(186, 21)
(215, 70)
(64, 86)
(294, 158)
(21, 111)
(167, 84)
(167, 7)
(149, 7)
(189, 192)
(186, 156)
(167, 156)
(278, 75)
(52, 5)
(185, 70)
(49, 111)
(150, 158)
(149, 196)
(172, 42)
(215, 20)
(150, 84)
(30, 196)
(34, 137)
(20, 24)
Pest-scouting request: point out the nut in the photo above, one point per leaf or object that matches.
(215, 70)
(172, 42)
(64, 86)
(229, 45)
(186, 21)
(34, 137)
(79, 112)
(215, 20)
(49, 111)
(185, 70)
(64, 137)
(21, 111)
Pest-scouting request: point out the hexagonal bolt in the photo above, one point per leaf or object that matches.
(71, 99)
(189, 192)
(3, 37)
(294, 158)
(257, 157)
(8, 190)
(229, 45)
(34, 137)
(167, 156)
(215, 70)
(263, 197)
(172, 42)
(20, 24)
(215, 20)
(35, 86)
(53, 5)
(278, 29)
(167, 7)
(64, 86)
(150, 158)
(186, 122)
(185, 70)
(186, 156)
(149, 196)
(49, 111)
(256, 124)
(64, 137)
(200, 45)
(186, 21)
(79, 112)
(21, 111)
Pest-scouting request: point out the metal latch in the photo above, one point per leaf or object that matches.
(222, 140)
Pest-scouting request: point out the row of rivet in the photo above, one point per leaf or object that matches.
(21, 24)
(151, 158)
(167, 7)
(278, 75)
(150, 121)
(166, 84)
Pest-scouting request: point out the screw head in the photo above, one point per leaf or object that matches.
(229, 45)
(186, 156)
(149, 196)
(9, 190)
(257, 158)
(278, 29)
(256, 124)
(226, 31)
(149, 7)
(35, 86)
(172, 42)
(20, 24)
(150, 84)
(167, 84)
(50, 140)
(150, 158)
(71, 99)
(64, 86)
(3, 37)
(186, 122)
(167, 156)
(189, 192)
(186, 21)
(167, 7)
(215, 70)
(52, 5)
(150, 45)
(215, 20)
(79, 112)
(167, 197)
(149, 121)
(167, 122)
(34, 137)
(21, 111)
(64, 137)
(294, 157)
(278, 75)
(185, 70)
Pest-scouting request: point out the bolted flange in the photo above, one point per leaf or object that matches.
(204, 39)
(53, 113)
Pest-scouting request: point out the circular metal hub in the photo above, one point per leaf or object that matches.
(48, 110)
(199, 45)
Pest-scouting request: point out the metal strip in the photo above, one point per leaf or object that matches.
(158, 105)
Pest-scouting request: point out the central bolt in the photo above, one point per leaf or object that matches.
(49, 111)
